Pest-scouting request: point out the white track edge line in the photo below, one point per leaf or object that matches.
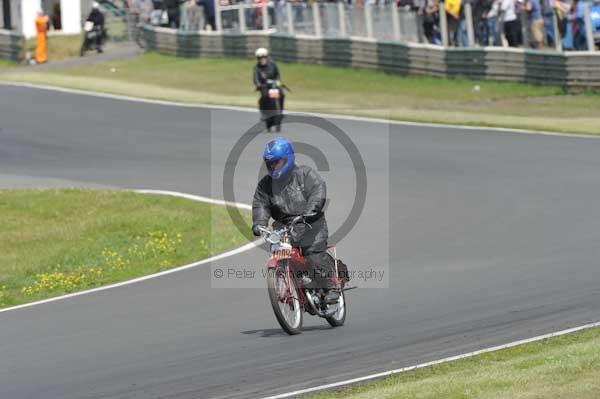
(322, 115)
(433, 363)
(195, 198)
(223, 255)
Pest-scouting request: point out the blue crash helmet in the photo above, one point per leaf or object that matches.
(275, 150)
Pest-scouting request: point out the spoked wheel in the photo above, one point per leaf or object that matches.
(284, 297)
(339, 317)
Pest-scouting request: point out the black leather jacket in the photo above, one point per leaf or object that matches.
(97, 18)
(262, 73)
(301, 191)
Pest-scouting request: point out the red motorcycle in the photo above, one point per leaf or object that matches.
(287, 271)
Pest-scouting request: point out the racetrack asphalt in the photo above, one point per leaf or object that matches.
(484, 238)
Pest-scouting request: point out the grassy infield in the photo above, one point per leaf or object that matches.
(112, 236)
(58, 241)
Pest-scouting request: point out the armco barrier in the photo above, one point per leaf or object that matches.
(571, 69)
(11, 45)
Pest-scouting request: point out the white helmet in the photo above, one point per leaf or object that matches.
(261, 52)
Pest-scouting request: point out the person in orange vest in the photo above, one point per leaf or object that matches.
(41, 44)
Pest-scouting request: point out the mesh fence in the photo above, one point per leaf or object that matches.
(329, 14)
(302, 18)
(117, 25)
(410, 26)
(355, 21)
(383, 22)
(192, 18)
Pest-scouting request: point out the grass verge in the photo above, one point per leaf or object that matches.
(60, 47)
(336, 90)
(56, 241)
(562, 367)
(7, 64)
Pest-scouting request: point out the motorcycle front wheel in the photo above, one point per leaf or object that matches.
(285, 299)
(84, 47)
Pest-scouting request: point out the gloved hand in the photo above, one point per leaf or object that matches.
(311, 217)
(256, 229)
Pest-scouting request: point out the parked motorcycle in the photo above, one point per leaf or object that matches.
(287, 271)
(92, 38)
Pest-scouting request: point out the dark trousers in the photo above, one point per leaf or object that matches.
(322, 269)
(453, 30)
(512, 31)
(210, 20)
(99, 39)
(6, 14)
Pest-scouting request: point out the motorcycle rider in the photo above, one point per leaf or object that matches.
(97, 18)
(264, 70)
(290, 190)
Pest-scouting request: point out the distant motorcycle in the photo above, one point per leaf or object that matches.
(271, 104)
(92, 38)
(287, 293)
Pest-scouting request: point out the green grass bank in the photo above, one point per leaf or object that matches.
(563, 367)
(57, 241)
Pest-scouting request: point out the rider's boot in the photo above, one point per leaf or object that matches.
(306, 281)
(331, 296)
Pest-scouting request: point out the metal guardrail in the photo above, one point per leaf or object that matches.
(12, 45)
(574, 69)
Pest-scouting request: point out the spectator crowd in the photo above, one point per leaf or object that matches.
(506, 22)
(514, 23)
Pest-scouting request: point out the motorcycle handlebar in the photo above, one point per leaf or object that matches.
(270, 82)
(298, 219)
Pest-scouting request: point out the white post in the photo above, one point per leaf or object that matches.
(290, 18)
(368, 21)
(342, 18)
(557, 38)
(242, 18)
(70, 16)
(469, 20)
(265, 16)
(396, 22)
(317, 19)
(28, 14)
(444, 26)
(218, 21)
(525, 29)
(589, 33)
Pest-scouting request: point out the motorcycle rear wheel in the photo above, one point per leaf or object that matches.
(287, 311)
